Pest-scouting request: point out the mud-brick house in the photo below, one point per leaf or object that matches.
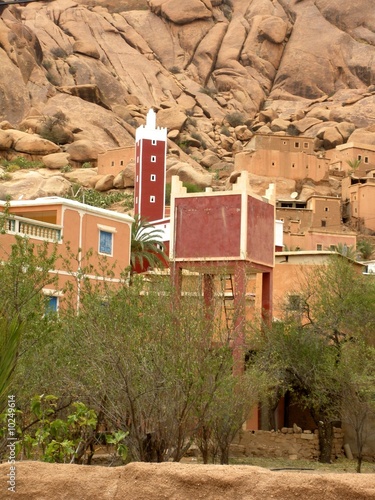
(314, 224)
(113, 161)
(282, 156)
(343, 157)
(68, 223)
(358, 195)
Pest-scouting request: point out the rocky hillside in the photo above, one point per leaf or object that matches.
(82, 75)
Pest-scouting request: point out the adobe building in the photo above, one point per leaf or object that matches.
(352, 152)
(83, 227)
(113, 161)
(282, 156)
(358, 195)
(314, 224)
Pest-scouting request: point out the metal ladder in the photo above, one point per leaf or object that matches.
(228, 299)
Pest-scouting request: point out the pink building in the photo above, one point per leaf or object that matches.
(226, 233)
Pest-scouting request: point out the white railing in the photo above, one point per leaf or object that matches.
(33, 228)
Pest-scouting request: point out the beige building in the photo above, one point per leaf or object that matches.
(358, 195)
(314, 224)
(114, 161)
(352, 152)
(282, 156)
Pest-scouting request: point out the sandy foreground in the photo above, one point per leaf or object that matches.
(144, 481)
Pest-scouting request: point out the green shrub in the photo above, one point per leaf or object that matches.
(98, 199)
(20, 162)
(190, 187)
(235, 119)
(208, 91)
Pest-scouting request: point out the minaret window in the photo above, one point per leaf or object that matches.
(153, 159)
(152, 199)
(153, 178)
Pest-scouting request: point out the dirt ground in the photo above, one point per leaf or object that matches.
(174, 481)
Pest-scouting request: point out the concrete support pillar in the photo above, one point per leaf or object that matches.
(240, 317)
(267, 294)
(176, 277)
(208, 295)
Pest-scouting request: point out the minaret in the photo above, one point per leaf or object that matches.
(150, 161)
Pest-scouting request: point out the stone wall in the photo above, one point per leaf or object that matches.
(291, 443)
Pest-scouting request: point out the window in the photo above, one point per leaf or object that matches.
(366, 159)
(294, 303)
(359, 157)
(52, 304)
(324, 223)
(153, 142)
(112, 164)
(296, 144)
(319, 246)
(153, 177)
(306, 145)
(105, 242)
(153, 159)
(121, 162)
(152, 199)
(326, 209)
(332, 248)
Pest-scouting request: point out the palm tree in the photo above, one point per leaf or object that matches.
(366, 249)
(147, 247)
(343, 249)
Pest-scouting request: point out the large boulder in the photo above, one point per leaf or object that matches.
(56, 160)
(31, 144)
(188, 173)
(363, 136)
(181, 12)
(6, 140)
(84, 150)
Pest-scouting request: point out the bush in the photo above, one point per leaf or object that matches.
(20, 163)
(235, 119)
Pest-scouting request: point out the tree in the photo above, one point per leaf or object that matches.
(337, 308)
(366, 249)
(343, 249)
(359, 394)
(10, 337)
(157, 372)
(147, 247)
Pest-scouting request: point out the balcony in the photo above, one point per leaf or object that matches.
(33, 229)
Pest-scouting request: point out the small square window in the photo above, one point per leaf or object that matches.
(105, 242)
(306, 145)
(332, 248)
(52, 304)
(319, 247)
(153, 177)
(153, 159)
(296, 144)
(152, 199)
(324, 223)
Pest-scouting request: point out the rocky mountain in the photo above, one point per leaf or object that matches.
(77, 77)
